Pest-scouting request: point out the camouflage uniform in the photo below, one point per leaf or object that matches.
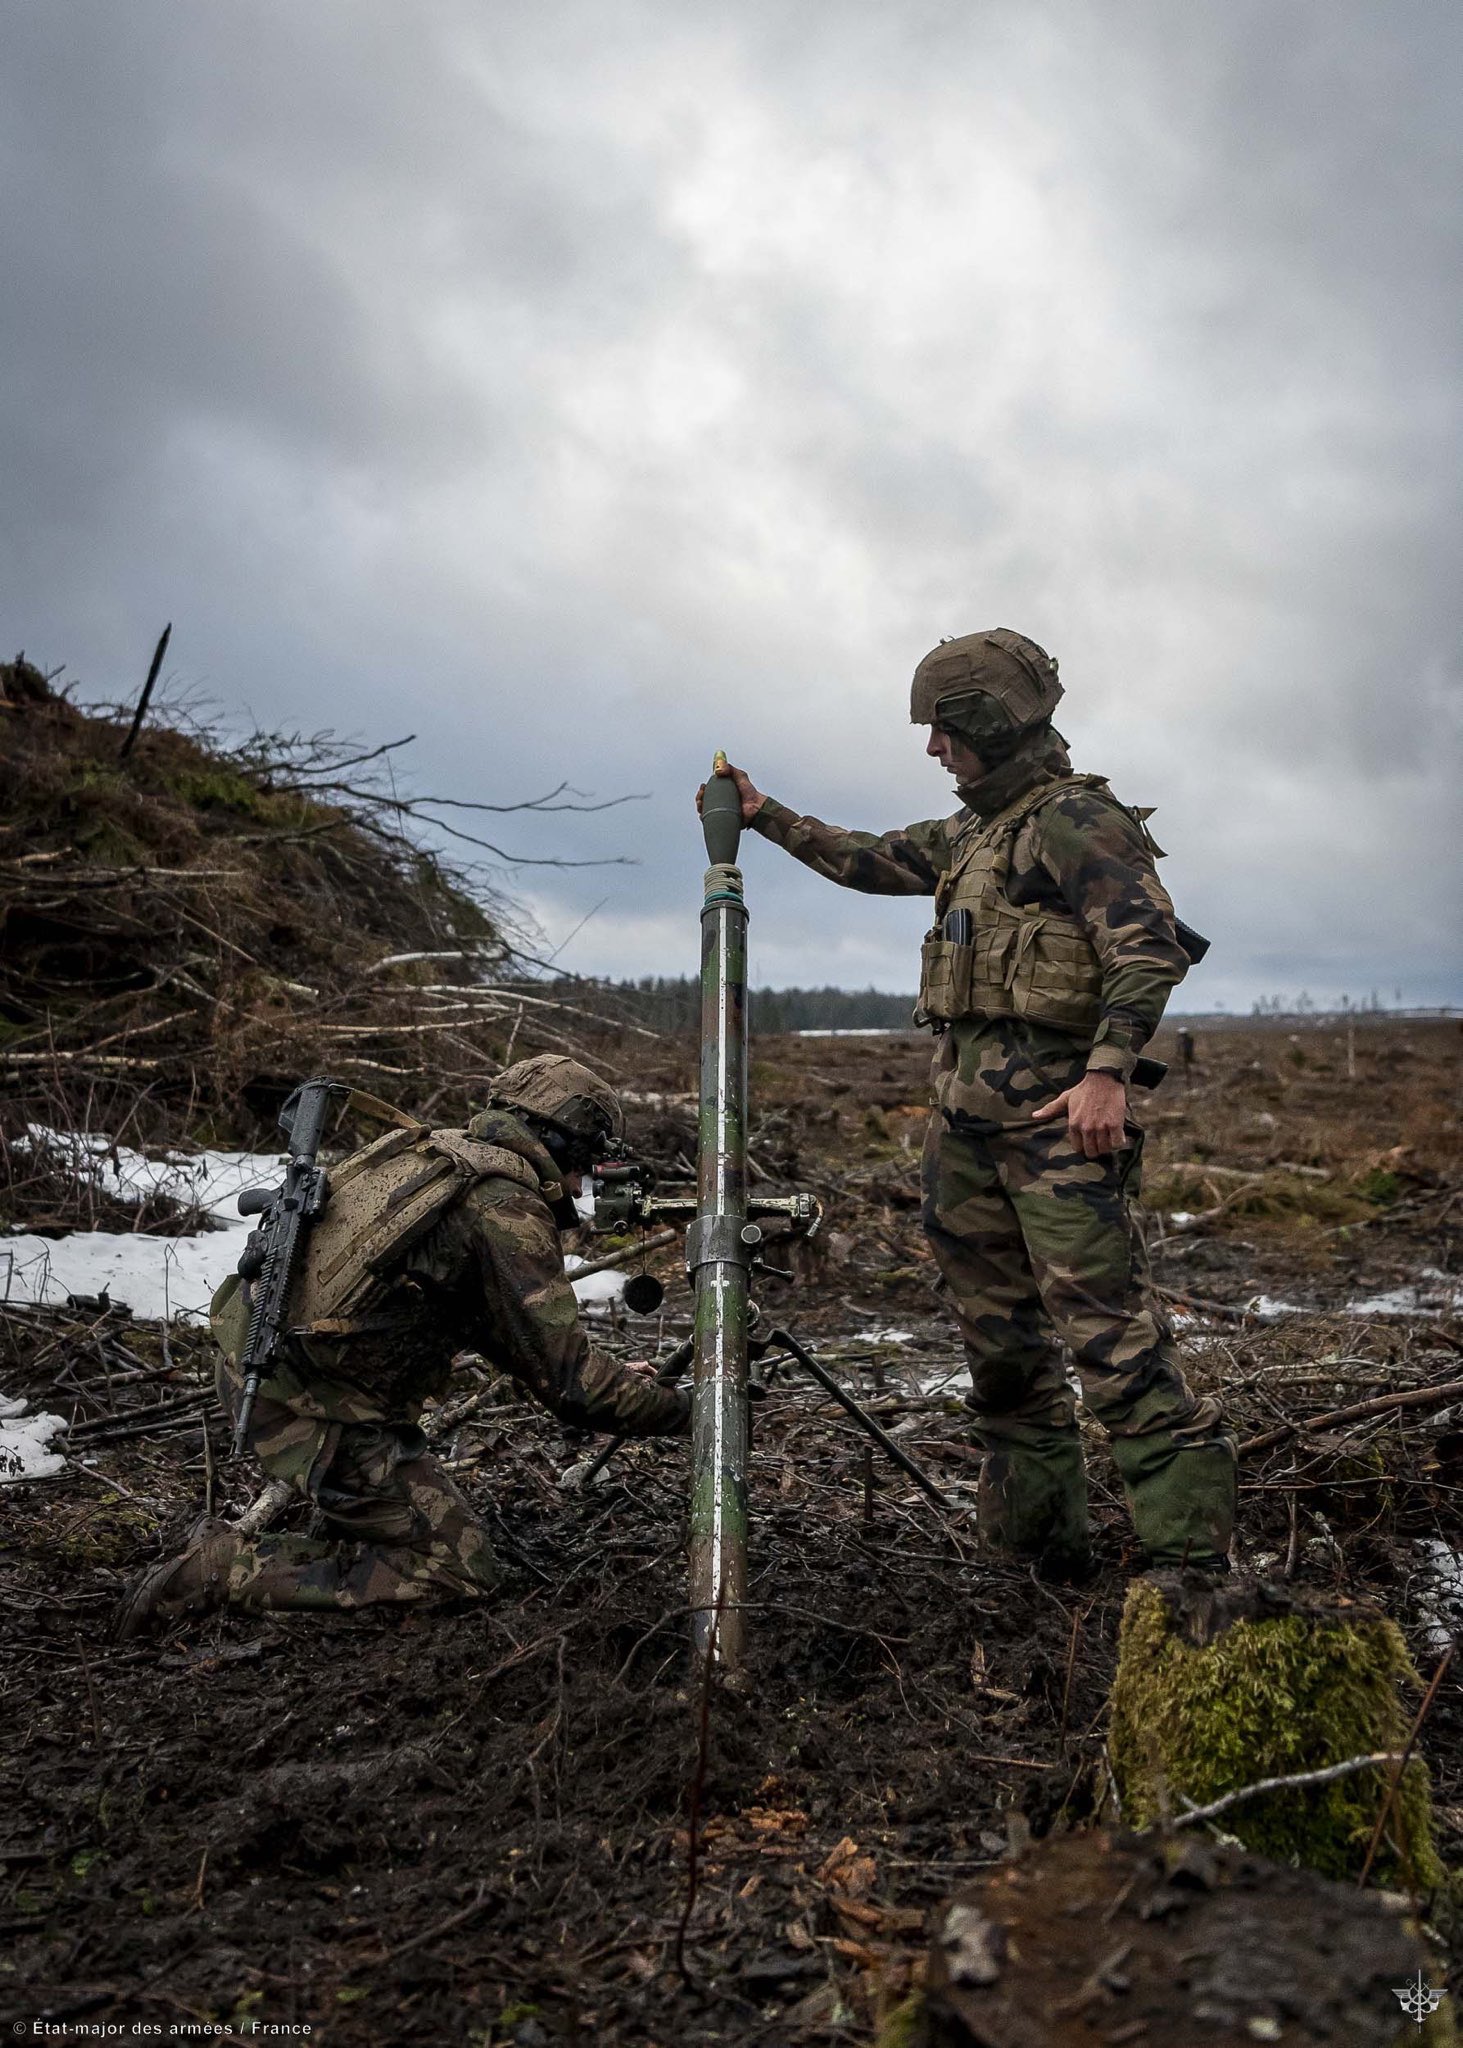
(1034, 1241)
(337, 1418)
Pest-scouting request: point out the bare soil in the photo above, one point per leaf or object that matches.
(476, 1827)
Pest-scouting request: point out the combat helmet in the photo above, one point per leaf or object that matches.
(560, 1094)
(989, 687)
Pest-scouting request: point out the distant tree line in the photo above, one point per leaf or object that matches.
(674, 1004)
(1304, 1005)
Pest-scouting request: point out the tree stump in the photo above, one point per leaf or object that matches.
(1220, 1686)
(1168, 1943)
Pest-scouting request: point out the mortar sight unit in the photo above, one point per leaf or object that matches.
(625, 1199)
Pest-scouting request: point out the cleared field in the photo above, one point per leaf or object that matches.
(473, 1828)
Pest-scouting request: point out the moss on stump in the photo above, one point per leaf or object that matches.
(1217, 1687)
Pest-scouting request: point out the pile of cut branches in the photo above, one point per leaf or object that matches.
(191, 924)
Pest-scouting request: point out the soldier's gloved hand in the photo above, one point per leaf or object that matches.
(752, 797)
(1096, 1111)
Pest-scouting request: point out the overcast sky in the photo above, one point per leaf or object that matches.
(585, 386)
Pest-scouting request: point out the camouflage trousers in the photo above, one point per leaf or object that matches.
(1038, 1249)
(396, 1529)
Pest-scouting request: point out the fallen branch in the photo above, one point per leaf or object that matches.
(90, 1059)
(1222, 1208)
(482, 1900)
(136, 1424)
(142, 703)
(384, 1030)
(407, 959)
(1294, 1782)
(1200, 1306)
(506, 991)
(631, 1251)
(1418, 1397)
(117, 878)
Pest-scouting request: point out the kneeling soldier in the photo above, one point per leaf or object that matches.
(433, 1242)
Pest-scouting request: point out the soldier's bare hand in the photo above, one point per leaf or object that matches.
(752, 797)
(642, 1368)
(1096, 1110)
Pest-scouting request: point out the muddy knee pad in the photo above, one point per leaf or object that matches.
(1032, 1498)
(1182, 1496)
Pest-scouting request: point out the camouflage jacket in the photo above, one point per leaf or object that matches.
(1082, 853)
(489, 1277)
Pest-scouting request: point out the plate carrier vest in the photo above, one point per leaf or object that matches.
(383, 1200)
(1023, 960)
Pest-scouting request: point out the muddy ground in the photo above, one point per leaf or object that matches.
(475, 1828)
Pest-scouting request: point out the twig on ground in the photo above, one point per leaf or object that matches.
(652, 1243)
(1417, 1397)
(432, 1933)
(1294, 1781)
(1394, 1783)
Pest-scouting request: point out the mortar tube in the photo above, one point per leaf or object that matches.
(720, 1258)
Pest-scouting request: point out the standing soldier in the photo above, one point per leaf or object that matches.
(1051, 956)
(433, 1242)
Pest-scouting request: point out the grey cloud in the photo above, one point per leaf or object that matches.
(591, 384)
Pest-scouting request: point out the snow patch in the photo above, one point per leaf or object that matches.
(947, 1379)
(24, 1441)
(597, 1291)
(154, 1276)
(1441, 1601)
(1269, 1310)
(1431, 1294)
(211, 1181)
(855, 1031)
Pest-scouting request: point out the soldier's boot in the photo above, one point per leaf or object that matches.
(1032, 1499)
(193, 1582)
(1181, 1495)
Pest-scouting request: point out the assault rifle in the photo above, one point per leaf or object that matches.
(271, 1258)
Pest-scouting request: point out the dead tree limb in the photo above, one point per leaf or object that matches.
(1293, 1782)
(142, 703)
(1417, 1397)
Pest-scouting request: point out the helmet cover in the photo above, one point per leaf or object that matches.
(560, 1092)
(1018, 677)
